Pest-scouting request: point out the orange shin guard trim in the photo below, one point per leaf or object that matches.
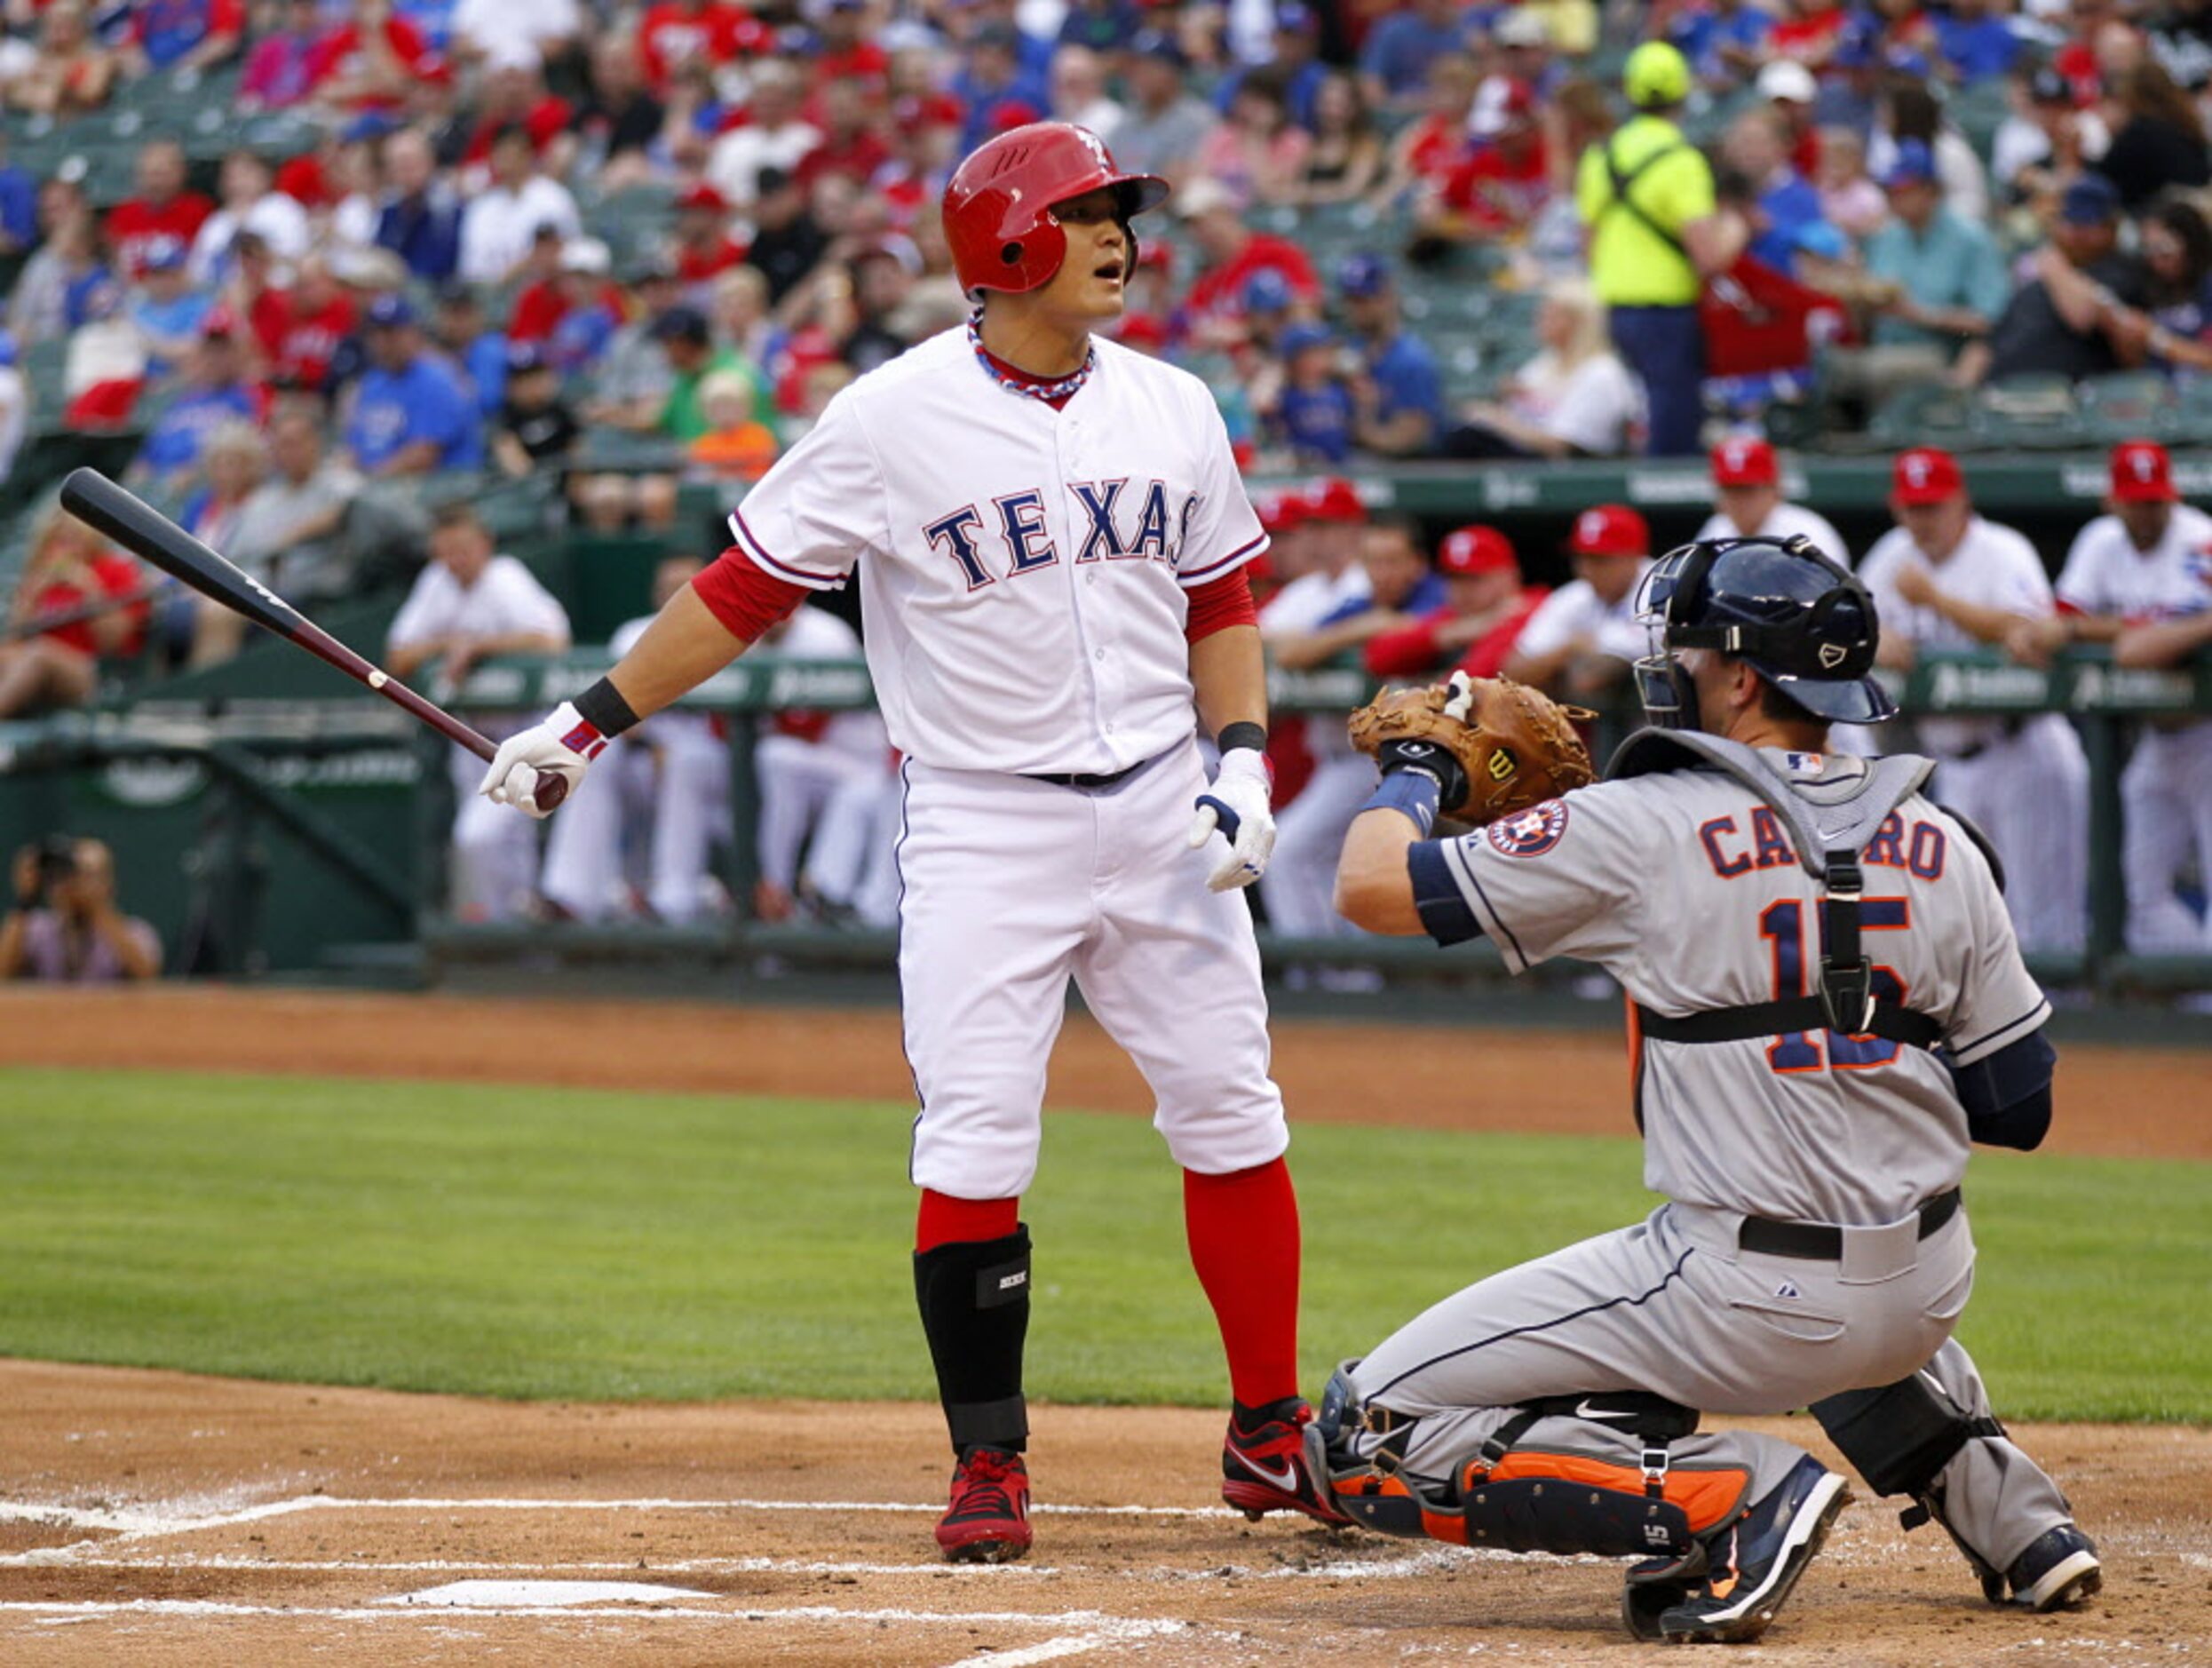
(1707, 1496)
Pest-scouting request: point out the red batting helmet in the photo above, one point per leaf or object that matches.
(998, 204)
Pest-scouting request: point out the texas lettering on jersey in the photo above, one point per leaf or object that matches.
(1016, 526)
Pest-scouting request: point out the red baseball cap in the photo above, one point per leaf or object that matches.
(1282, 512)
(1333, 499)
(1610, 530)
(2143, 473)
(1475, 550)
(703, 195)
(1744, 461)
(1926, 474)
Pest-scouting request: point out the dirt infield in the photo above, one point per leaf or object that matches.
(157, 1519)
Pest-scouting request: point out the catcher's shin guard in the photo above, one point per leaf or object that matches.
(1900, 1438)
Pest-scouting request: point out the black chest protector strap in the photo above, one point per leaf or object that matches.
(1828, 838)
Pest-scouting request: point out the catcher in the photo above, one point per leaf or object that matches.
(1806, 1113)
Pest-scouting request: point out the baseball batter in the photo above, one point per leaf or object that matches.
(2140, 578)
(1829, 1004)
(1050, 532)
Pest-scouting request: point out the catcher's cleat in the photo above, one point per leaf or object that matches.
(989, 1520)
(1758, 1559)
(1656, 1586)
(1266, 1469)
(2058, 1571)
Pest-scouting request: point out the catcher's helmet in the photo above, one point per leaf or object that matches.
(1800, 618)
(998, 204)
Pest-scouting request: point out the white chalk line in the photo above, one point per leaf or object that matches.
(1075, 1645)
(1096, 1623)
(938, 1569)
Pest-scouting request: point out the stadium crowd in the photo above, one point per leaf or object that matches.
(508, 239)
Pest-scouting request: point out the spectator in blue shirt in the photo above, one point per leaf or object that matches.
(1401, 399)
(460, 332)
(214, 394)
(1722, 39)
(1294, 64)
(168, 312)
(1104, 25)
(181, 34)
(1314, 412)
(18, 208)
(995, 88)
(1394, 63)
(1975, 44)
(1758, 149)
(411, 415)
(420, 221)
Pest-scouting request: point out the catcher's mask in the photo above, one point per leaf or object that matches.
(1793, 613)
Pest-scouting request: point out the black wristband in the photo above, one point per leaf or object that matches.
(1431, 760)
(603, 708)
(1246, 734)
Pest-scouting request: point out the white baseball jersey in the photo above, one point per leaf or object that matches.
(1784, 520)
(506, 598)
(1686, 887)
(1993, 566)
(2105, 574)
(1026, 568)
(1575, 609)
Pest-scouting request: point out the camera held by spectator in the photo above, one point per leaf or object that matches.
(63, 927)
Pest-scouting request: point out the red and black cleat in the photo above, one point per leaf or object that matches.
(1265, 1466)
(989, 1520)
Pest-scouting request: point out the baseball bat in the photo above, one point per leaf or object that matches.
(147, 533)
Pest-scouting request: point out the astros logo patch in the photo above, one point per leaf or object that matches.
(1530, 833)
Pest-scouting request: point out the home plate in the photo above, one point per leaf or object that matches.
(531, 1595)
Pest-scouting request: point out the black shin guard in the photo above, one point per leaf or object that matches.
(974, 1299)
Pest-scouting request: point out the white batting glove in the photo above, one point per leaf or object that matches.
(1461, 701)
(1241, 803)
(563, 744)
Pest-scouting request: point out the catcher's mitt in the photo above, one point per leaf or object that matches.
(1508, 746)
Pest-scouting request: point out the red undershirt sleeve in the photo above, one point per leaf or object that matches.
(745, 598)
(1219, 604)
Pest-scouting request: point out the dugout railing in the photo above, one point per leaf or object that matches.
(297, 834)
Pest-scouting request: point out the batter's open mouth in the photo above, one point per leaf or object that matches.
(1109, 269)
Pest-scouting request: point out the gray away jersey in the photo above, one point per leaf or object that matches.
(1685, 886)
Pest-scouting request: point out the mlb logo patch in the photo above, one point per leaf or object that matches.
(1529, 833)
(1805, 764)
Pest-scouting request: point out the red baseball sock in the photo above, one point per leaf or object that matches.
(1243, 1231)
(944, 1220)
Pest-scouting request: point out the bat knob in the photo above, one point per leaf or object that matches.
(552, 788)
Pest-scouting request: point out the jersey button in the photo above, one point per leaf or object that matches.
(1098, 655)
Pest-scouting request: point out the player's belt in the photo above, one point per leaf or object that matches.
(1064, 779)
(1816, 1244)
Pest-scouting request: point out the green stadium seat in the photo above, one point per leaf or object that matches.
(2191, 419)
(2127, 405)
(2034, 411)
(1931, 415)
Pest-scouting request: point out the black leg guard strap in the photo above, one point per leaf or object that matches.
(974, 1299)
(1900, 1437)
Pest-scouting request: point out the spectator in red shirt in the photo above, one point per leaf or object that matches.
(1503, 183)
(843, 50)
(1809, 32)
(850, 115)
(302, 327)
(1426, 152)
(69, 570)
(163, 208)
(703, 246)
(1232, 252)
(1486, 605)
(678, 31)
(370, 63)
(514, 94)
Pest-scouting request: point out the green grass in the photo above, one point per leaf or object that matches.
(529, 1241)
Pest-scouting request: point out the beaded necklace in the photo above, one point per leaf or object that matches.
(1047, 391)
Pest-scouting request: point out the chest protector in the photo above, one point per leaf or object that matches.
(1829, 834)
